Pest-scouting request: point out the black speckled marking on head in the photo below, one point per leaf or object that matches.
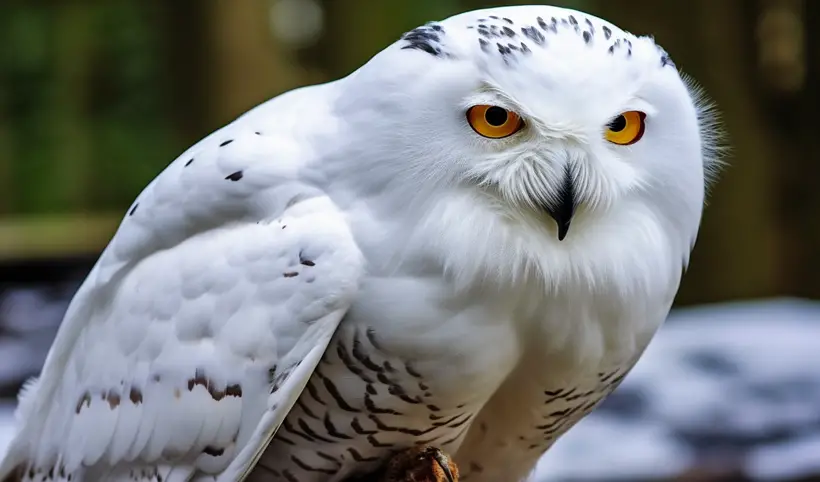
(493, 28)
(225, 143)
(191, 160)
(505, 51)
(533, 34)
(133, 209)
(665, 59)
(622, 44)
(615, 46)
(426, 38)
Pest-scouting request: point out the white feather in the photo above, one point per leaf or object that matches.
(163, 355)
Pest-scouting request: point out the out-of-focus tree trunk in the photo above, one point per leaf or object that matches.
(808, 279)
(7, 191)
(737, 254)
(71, 173)
(358, 29)
(789, 52)
(186, 85)
(222, 60)
(246, 63)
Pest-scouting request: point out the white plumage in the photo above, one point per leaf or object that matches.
(372, 241)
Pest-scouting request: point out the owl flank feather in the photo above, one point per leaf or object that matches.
(314, 287)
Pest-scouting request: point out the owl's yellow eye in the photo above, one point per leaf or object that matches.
(627, 128)
(493, 121)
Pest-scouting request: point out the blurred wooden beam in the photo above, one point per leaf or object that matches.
(246, 63)
(183, 32)
(221, 60)
(56, 236)
(70, 170)
(7, 186)
(356, 30)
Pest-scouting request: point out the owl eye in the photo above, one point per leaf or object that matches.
(493, 121)
(627, 128)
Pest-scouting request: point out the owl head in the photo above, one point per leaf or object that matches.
(544, 133)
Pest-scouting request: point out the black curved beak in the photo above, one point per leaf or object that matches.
(562, 207)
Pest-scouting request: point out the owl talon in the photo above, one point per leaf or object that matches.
(444, 462)
(421, 464)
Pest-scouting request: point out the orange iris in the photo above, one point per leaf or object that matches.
(493, 121)
(627, 128)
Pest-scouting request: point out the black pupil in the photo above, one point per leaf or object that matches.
(618, 124)
(495, 116)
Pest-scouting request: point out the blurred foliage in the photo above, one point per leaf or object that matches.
(82, 111)
(97, 97)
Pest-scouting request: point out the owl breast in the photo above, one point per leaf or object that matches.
(389, 380)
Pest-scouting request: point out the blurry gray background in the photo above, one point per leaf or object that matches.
(97, 97)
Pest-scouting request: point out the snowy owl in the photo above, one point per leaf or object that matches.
(466, 243)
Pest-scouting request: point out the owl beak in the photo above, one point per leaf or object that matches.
(562, 206)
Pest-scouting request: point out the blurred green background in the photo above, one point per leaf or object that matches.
(96, 97)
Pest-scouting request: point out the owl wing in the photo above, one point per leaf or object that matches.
(199, 325)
